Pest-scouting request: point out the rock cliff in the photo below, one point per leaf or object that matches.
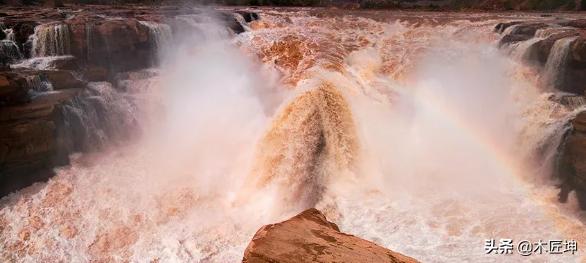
(571, 166)
(59, 70)
(555, 47)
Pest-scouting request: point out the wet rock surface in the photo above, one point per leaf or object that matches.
(104, 36)
(571, 167)
(310, 237)
(57, 64)
(556, 47)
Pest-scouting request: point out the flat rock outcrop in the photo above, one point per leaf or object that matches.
(310, 237)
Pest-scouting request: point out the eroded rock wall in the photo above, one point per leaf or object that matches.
(59, 70)
(556, 47)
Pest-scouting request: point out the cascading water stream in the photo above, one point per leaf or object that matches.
(420, 137)
(555, 68)
(160, 36)
(51, 40)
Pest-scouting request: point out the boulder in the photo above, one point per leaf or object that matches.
(310, 237)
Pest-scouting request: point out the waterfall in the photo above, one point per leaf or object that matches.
(160, 37)
(312, 137)
(89, 39)
(99, 116)
(555, 67)
(51, 40)
(9, 51)
(414, 135)
(519, 50)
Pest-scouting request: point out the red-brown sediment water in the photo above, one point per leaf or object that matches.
(413, 130)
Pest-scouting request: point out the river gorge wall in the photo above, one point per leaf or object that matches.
(556, 49)
(62, 79)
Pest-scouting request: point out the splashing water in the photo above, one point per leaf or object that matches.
(418, 135)
(313, 137)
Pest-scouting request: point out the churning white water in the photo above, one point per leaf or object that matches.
(420, 136)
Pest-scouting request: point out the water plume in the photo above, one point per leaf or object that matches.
(313, 137)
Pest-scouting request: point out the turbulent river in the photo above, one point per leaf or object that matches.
(412, 130)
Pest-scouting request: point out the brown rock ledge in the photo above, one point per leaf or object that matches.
(310, 237)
